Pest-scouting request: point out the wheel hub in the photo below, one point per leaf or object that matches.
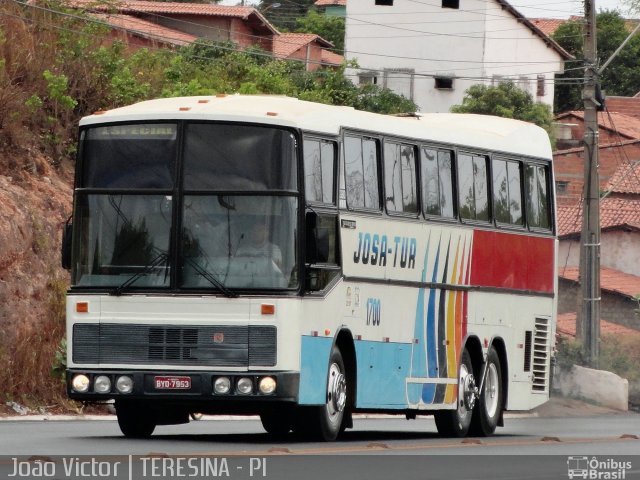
(337, 390)
(469, 391)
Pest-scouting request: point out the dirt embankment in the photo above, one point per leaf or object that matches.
(34, 204)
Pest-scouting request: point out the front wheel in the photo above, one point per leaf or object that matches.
(326, 422)
(485, 419)
(134, 420)
(456, 423)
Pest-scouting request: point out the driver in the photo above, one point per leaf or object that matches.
(257, 243)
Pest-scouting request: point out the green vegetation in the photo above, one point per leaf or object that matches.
(621, 77)
(505, 100)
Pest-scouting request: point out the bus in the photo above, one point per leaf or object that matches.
(262, 255)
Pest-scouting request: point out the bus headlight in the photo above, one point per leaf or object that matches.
(222, 385)
(124, 384)
(245, 386)
(102, 384)
(80, 383)
(267, 385)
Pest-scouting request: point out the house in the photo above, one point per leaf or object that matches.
(433, 51)
(619, 143)
(144, 23)
(618, 295)
(307, 47)
(619, 247)
(336, 8)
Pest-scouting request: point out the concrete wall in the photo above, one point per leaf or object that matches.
(596, 386)
(618, 250)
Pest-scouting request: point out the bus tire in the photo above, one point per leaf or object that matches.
(134, 420)
(456, 423)
(489, 407)
(276, 421)
(327, 421)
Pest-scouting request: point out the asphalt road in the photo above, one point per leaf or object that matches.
(526, 448)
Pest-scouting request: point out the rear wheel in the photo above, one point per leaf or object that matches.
(489, 408)
(134, 420)
(456, 423)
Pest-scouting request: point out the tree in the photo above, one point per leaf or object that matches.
(327, 26)
(505, 100)
(621, 77)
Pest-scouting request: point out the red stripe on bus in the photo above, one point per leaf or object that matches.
(505, 260)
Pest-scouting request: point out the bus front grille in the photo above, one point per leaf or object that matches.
(217, 346)
(540, 354)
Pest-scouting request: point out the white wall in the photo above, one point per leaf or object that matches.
(431, 40)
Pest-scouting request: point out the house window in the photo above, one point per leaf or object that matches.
(451, 4)
(444, 83)
(367, 78)
(399, 81)
(562, 187)
(541, 90)
(387, 3)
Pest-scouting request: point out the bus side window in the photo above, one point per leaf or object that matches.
(473, 194)
(401, 193)
(319, 171)
(538, 207)
(361, 172)
(437, 182)
(507, 192)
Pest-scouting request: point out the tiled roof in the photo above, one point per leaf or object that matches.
(330, 58)
(287, 43)
(143, 6)
(614, 212)
(566, 326)
(547, 25)
(626, 179)
(330, 3)
(611, 280)
(625, 105)
(625, 125)
(150, 30)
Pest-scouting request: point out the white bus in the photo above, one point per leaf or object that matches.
(302, 262)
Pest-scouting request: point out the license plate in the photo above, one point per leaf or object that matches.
(172, 383)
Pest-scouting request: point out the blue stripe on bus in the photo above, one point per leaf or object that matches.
(418, 358)
(382, 372)
(428, 391)
(314, 355)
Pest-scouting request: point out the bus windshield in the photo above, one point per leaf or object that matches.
(229, 222)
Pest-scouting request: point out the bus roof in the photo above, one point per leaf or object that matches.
(474, 131)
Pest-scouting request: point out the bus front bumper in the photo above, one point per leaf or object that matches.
(223, 387)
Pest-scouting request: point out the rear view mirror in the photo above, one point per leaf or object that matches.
(66, 244)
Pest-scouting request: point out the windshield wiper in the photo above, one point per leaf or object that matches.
(159, 259)
(211, 279)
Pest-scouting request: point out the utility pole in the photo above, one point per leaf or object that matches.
(590, 237)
